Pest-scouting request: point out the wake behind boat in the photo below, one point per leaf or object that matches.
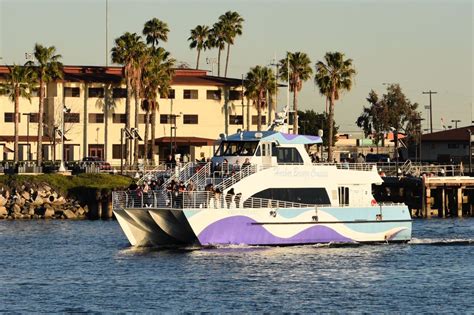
(261, 188)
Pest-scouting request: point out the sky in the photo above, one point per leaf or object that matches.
(420, 44)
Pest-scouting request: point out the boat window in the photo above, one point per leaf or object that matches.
(258, 153)
(317, 196)
(237, 148)
(288, 155)
(343, 196)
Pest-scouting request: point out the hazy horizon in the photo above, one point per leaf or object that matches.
(422, 45)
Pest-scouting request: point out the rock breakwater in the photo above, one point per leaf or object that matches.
(38, 201)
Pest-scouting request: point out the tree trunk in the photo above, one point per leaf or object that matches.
(153, 127)
(197, 61)
(219, 63)
(227, 60)
(147, 125)
(295, 108)
(107, 98)
(331, 127)
(85, 123)
(259, 112)
(135, 144)
(127, 121)
(226, 111)
(39, 143)
(17, 122)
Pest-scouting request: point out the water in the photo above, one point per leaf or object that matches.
(87, 266)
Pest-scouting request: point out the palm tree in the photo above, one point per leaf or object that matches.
(232, 24)
(143, 56)
(47, 68)
(19, 83)
(155, 30)
(198, 40)
(217, 39)
(125, 52)
(259, 82)
(156, 77)
(299, 70)
(333, 77)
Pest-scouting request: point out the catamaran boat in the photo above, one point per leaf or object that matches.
(262, 188)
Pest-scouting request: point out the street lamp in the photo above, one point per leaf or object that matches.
(65, 110)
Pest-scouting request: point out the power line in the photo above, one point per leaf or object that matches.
(431, 109)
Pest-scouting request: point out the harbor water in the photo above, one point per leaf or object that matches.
(88, 266)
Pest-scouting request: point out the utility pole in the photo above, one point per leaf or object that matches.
(431, 109)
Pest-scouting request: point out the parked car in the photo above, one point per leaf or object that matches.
(95, 160)
(377, 158)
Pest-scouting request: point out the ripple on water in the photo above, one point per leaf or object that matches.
(87, 266)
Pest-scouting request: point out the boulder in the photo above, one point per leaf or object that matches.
(38, 201)
(48, 213)
(46, 188)
(3, 201)
(80, 211)
(59, 201)
(25, 195)
(3, 211)
(69, 214)
(16, 208)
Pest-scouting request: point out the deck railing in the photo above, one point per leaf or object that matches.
(194, 200)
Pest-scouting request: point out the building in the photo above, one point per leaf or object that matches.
(199, 108)
(446, 146)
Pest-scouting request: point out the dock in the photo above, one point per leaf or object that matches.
(428, 196)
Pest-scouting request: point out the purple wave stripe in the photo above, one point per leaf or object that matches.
(240, 230)
(288, 136)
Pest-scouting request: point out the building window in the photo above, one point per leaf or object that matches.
(119, 93)
(255, 120)
(166, 119)
(34, 117)
(116, 151)
(119, 118)
(142, 118)
(10, 117)
(96, 92)
(235, 95)
(35, 92)
(96, 118)
(190, 94)
(213, 95)
(236, 119)
(190, 119)
(453, 146)
(170, 94)
(71, 92)
(71, 117)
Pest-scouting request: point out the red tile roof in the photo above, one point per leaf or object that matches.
(115, 75)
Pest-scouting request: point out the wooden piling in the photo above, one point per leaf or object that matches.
(459, 201)
(427, 213)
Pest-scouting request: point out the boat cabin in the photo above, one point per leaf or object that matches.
(268, 148)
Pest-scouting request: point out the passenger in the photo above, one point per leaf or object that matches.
(236, 166)
(170, 161)
(360, 158)
(210, 195)
(217, 198)
(228, 197)
(237, 199)
(246, 163)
